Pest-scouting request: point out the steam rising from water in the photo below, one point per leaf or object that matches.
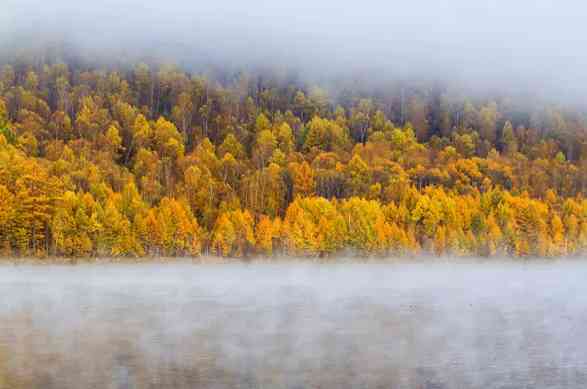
(294, 326)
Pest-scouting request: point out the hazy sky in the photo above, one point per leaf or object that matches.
(530, 41)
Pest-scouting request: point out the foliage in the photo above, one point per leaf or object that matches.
(165, 163)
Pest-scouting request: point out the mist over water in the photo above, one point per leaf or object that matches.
(435, 325)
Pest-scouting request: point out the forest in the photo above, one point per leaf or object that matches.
(158, 161)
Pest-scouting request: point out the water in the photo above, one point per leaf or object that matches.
(294, 326)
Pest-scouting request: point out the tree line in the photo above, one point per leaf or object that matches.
(157, 161)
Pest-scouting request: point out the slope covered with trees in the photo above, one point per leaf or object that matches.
(152, 160)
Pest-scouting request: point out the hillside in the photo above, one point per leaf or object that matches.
(153, 160)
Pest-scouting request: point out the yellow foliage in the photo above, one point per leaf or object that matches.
(161, 163)
(264, 235)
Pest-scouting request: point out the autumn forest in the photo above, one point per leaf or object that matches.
(154, 160)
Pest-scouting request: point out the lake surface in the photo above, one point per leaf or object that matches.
(429, 325)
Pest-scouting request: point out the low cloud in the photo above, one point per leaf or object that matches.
(531, 44)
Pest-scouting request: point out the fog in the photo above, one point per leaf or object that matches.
(533, 44)
(430, 325)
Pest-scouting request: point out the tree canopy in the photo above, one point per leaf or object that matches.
(157, 161)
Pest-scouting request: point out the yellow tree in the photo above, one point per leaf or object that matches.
(264, 147)
(223, 236)
(312, 225)
(150, 232)
(74, 225)
(180, 233)
(494, 236)
(36, 193)
(358, 176)
(118, 237)
(234, 234)
(440, 241)
(303, 178)
(366, 228)
(148, 171)
(557, 233)
(572, 229)
(201, 191)
(92, 119)
(233, 146)
(169, 145)
(285, 140)
(6, 218)
(244, 228)
(264, 235)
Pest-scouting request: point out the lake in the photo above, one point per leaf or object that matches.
(420, 325)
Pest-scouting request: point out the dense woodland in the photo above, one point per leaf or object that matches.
(142, 160)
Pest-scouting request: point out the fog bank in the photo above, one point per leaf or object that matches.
(534, 44)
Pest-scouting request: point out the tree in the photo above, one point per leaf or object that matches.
(264, 147)
(148, 170)
(264, 233)
(182, 113)
(35, 196)
(75, 225)
(112, 141)
(508, 139)
(285, 139)
(303, 179)
(7, 217)
(169, 146)
(201, 189)
(558, 241)
(91, 120)
(444, 116)
(358, 176)
(157, 161)
(360, 120)
(326, 135)
(312, 225)
(494, 236)
(366, 228)
(233, 146)
(418, 116)
(488, 120)
(440, 241)
(117, 237)
(234, 234)
(144, 85)
(142, 132)
(262, 123)
(223, 236)
(3, 114)
(179, 230)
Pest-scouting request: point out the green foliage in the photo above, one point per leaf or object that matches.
(8, 134)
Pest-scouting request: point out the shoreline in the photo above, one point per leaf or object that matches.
(289, 260)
